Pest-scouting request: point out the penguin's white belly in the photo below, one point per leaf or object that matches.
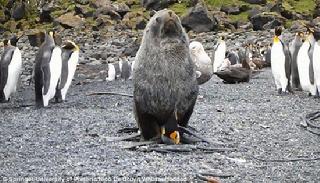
(278, 63)
(55, 73)
(72, 66)
(219, 56)
(14, 70)
(111, 73)
(303, 62)
(316, 64)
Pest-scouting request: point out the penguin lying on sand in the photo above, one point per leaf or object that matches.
(70, 58)
(47, 70)
(10, 69)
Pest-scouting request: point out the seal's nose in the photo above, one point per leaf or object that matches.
(170, 13)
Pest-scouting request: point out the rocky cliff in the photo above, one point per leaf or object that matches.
(196, 15)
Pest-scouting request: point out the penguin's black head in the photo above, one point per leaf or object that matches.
(278, 31)
(11, 40)
(69, 45)
(170, 132)
(56, 37)
(14, 40)
(316, 34)
(170, 136)
(6, 42)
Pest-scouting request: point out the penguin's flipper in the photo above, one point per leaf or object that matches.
(65, 56)
(4, 67)
(125, 70)
(46, 78)
(3, 80)
(288, 60)
(311, 71)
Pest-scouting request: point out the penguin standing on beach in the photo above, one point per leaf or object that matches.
(305, 66)
(294, 49)
(280, 63)
(219, 54)
(70, 58)
(316, 59)
(47, 72)
(122, 69)
(10, 69)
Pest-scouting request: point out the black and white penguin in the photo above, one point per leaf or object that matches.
(304, 63)
(204, 65)
(123, 69)
(219, 54)
(10, 69)
(233, 57)
(47, 72)
(280, 63)
(294, 49)
(70, 59)
(316, 59)
(267, 56)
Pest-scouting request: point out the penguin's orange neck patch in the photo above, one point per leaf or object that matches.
(175, 137)
(276, 39)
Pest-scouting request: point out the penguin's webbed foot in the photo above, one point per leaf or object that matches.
(284, 93)
(316, 97)
(58, 100)
(279, 91)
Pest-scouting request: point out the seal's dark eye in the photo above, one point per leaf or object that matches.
(158, 19)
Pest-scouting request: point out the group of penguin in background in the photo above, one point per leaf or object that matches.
(55, 67)
(232, 66)
(53, 71)
(297, 66)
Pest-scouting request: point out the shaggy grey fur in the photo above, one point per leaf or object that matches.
(165, 85)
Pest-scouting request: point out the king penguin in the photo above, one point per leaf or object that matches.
(304, 63)
(219, 54)
(316, 59)
(280, 63)
(294, 49)
(10, 69)
(48, 65)
(70, 59)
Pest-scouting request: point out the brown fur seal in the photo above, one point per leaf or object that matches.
(164, 79)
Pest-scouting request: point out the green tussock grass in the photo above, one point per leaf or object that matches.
(301, 6)
(241, 17)
(219, 3)
(179, 8)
